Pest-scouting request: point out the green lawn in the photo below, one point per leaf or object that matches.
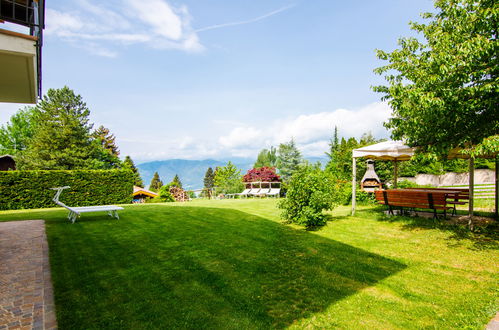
(232, 264)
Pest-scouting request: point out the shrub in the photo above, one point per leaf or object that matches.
(310, 192)
(165, 195)
(31, 189)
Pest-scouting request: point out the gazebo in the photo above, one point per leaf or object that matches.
(397, 151)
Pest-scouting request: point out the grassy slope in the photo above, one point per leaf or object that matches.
(231, 264)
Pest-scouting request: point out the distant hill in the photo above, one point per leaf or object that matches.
(191, 172)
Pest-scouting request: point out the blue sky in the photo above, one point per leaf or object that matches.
(213, 79)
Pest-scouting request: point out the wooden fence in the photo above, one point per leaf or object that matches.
(481, 190)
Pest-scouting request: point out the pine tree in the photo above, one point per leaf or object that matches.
(209, 178)
(129, 164)
(176, 181)
(62, 137)
(156, 183)
(109, 151)
(288, 159)
(107, 140)
(333, 145)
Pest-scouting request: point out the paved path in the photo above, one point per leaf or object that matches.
(26, 298)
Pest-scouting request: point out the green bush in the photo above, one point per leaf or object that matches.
(310, 192)
(164, 193)
(31, 189)
(362, 197)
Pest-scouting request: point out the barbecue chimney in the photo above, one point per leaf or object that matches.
(370, 181)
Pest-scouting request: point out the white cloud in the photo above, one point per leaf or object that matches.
(99, 26)
(311, 132)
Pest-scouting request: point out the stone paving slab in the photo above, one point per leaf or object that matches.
(26, 295)
(494, 323)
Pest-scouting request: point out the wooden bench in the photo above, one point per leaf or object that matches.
(414, 199)
(461, 198)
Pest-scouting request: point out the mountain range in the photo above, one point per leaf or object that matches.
(191, 172)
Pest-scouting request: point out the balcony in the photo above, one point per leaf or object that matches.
(21, 53)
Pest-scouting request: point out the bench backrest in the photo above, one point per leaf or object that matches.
(464, 193)
(411, 198)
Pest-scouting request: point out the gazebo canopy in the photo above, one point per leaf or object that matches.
(388, 150)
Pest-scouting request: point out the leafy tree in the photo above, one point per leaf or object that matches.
(62, 136)
(288, 159)
(109, 151)
(16, 134)
(228, 179)
(176, 182)
(266, 158)
(310, 192)
(128, 163)
(262, 174)
(444, 89)
(156, 183)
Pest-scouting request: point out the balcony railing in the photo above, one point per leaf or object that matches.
(29, 13)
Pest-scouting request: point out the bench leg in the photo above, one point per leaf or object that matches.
(390, 210)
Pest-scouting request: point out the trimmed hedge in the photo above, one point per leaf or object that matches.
(31, 189)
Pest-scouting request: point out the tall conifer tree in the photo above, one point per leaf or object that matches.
(62, 136)
(129, 164)
(156, 183)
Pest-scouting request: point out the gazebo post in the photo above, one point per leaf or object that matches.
(354, 183)
(496, 214)
(471, 187)
(395, 173)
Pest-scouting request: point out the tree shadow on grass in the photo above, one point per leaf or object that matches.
(484, 237)
(198, 267)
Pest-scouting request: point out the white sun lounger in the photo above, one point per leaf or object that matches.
(74, 212)
(244, 193)
(274, 192)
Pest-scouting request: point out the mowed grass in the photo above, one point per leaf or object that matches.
(233, 265)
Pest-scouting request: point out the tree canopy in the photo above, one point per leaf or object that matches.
(228, 179)
(209, 178)
(129, 164)
(16, 134)
(156, 183)
(62, 134)
(261, 174)
(109, 152)
(176, 182)
(443, 87)
(288, 159)
(266, 158)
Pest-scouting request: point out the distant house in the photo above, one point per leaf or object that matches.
(7, 163)
(140, 194)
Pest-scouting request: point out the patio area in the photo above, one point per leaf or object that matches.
(26, 295)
